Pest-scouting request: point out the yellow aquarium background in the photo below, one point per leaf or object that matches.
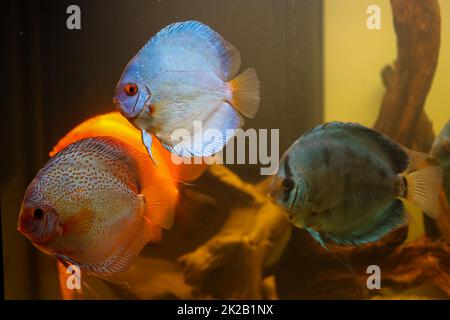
(354, 57)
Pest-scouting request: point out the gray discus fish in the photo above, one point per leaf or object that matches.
(183, 88)
(345, 183)
(441, 152)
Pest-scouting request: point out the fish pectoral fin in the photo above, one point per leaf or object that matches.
(389, 219)
(317, 236)
(147, 140)
(327, 199)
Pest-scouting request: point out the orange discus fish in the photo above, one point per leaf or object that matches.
(97, 203)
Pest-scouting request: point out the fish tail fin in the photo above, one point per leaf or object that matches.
(423, 187)
(245, 91)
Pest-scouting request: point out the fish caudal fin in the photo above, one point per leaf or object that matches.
(423, 188)
(245, 92)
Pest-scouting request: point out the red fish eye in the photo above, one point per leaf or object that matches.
(38, 214)
(131, 89)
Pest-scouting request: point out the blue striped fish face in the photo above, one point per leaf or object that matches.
(132, 94)
(289, 188)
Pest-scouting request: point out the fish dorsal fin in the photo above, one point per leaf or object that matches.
(390, 219)
(204, 46)
(366, 137)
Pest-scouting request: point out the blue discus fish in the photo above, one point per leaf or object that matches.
(441, 152)
(345, 183)
(182, 83)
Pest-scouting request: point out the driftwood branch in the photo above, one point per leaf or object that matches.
(231, 264)
(342, 273)
(417, 26)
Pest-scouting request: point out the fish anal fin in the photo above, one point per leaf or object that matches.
(146, 232)
(216, 131)
(391, 218)
(125, 253)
